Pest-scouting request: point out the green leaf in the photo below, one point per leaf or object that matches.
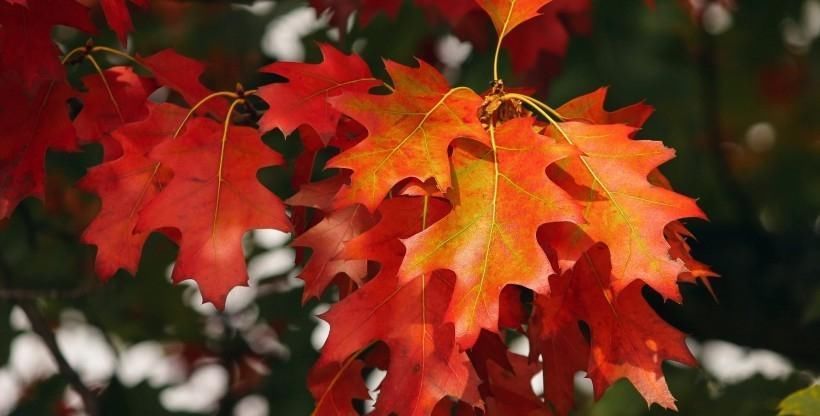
(804, 402)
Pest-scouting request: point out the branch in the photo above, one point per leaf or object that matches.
(41, 328)
(16, 294)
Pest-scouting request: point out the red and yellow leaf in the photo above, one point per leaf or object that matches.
(489, 239)
(507, 14)
(409, 132)
(621, 207)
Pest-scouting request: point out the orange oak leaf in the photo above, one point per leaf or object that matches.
(28, 129)
(628, 339)
(182, 74)
(409, 132)
(102, 113)
(489, 239)
(27, 53)
(621, 207)
(116, 13)
(125, 186)
(304, 98)
(590, 108)
(507, 14)
(213, 199)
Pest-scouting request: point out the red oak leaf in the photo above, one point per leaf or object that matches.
(409, 132)
(213, 199)
(125, 186)
(507, 14)
(304, 98)
(28, 129)
(103, 112)
(590, 108)
(27, 53)
(510, 391)
(489, 239)
(556, 337)
(182, 74)
(547, 34)
(116, 13)
(336, 385)
(628, 339)
(425, 365)
(327, 239)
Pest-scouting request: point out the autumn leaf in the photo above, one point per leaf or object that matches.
(125, 186)
(327, 239)
(627, 338)
(182, 75)
(27, 53)
(409, 132)
(425, 364)
(213, 199)
(621, 208)
(590, 108)
(336, 385)
(547, 35)
(489, 239)
(121, 99)
(510, 391)
(29, 127)
(508, 14)
(116, 13)
(556, 337)
(304, 98)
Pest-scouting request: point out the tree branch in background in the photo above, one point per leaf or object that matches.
(41, 328)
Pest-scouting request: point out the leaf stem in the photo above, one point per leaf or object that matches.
(107, 87)
(500, 40)
(540, 107)
(533, 102)
(115, 52)
(71, 54)
(229, 94)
